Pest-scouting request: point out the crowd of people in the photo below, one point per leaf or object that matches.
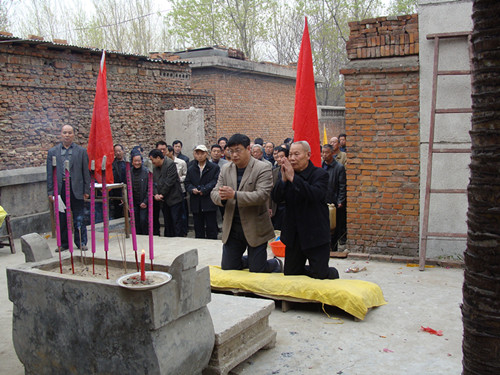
(257, 187)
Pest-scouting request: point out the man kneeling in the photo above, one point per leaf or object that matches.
(243, 188)
(306, 228)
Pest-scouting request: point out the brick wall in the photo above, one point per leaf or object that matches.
(252, 104)
(383, 37)
(45, 86)
(382, 125)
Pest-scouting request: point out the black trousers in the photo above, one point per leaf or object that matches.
(339, 235)
(79, 228)
(172, 219)
(141, 219)
(157, 207)
(235, 247)
(318, 257)
(205, 224)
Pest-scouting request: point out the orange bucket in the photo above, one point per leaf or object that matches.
(278, 248)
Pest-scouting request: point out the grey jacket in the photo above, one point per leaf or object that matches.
(78, 170)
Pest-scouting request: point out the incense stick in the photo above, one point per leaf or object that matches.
(69, 221)
(56, 209)
(150, 210)
(131, 208)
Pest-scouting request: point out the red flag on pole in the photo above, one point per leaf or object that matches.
(305, 117)
(100, 138)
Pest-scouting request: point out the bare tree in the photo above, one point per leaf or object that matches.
(5, 7)
(481, 289)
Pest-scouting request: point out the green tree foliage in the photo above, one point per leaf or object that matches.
(401, 7)
(241, 24)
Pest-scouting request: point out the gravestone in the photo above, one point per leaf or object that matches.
(186, 125)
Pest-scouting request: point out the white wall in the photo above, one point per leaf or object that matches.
(449, 171)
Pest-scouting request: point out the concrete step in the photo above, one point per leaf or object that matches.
(241, 329)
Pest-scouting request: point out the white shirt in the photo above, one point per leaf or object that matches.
(181, 171)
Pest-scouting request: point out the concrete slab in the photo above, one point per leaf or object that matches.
(241, 327)
(308, 341)
(35, 248)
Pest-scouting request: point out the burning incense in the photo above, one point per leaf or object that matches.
(56, 208)
(92, 211)
(131, 207)
(69, 221)
(105, 212)
(150, 210)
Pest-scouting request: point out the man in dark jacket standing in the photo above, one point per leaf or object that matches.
(336, 192)
(79, 184)
(306, 229)
(167, 191)
(201, 178)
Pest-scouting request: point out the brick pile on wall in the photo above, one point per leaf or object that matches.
(252, 104)
(44, 86)
(382, 125)
(383, 37)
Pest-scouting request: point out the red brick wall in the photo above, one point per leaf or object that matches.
(382, 123)
(43, 87)
(383, 37)
(255, 105)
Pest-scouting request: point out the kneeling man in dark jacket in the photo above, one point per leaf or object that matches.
(306, 228)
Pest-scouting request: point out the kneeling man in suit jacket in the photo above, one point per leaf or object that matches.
(243, 188)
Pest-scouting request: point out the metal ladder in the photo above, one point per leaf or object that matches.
(428, 188)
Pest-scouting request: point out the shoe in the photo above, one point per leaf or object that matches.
(62, 249)
(279, 266)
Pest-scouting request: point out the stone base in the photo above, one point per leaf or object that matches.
(241, 329)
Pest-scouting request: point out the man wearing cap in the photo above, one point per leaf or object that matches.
(200, 180)
(243, 188)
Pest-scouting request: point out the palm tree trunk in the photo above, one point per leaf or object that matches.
(481, 289)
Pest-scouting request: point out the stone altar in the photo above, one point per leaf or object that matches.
(69, 324)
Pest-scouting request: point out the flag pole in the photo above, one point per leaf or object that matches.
(56, 209)
(92, 212)
(105, 212)
(69, 221)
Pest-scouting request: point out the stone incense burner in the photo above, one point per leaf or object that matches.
(67, 324)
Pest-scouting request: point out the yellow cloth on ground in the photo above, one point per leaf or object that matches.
(353, 296)
(3, 215)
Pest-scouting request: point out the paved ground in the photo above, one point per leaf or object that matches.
(388, 341)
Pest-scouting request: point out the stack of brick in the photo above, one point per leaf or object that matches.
(383, 37)
(382, 126)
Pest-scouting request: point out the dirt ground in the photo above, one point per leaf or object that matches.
(312, 341)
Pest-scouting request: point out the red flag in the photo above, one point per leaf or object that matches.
(100, 138)
(305, 117)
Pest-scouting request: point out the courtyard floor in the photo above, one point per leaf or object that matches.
(388, 341)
